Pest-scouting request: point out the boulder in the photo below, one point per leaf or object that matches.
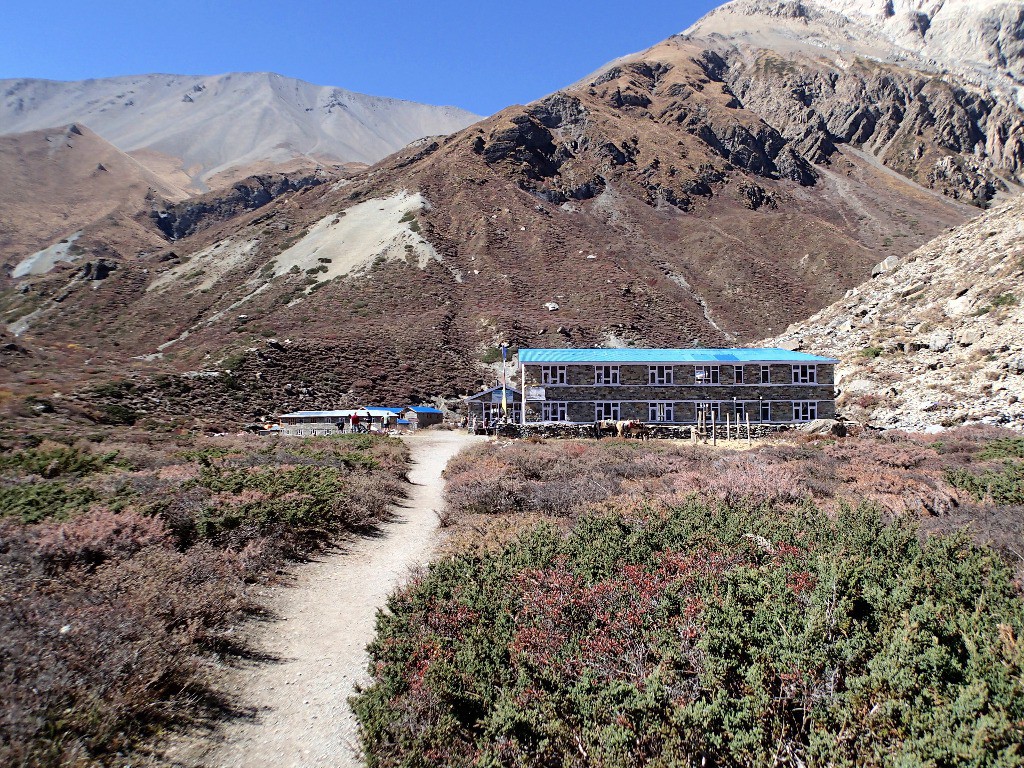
(886, 266)
(824, 427)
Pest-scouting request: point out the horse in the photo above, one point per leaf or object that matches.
(605, 427)
(632, 428)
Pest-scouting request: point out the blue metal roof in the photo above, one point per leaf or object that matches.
(424, 409)
(390, 408)
(629, 355)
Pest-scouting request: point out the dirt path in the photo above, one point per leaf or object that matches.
(326, 620)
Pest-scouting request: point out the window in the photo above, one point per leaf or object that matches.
(606, 411)
(552, 374)
(805, 374)
(555, 411)
(737, 374)
(766, 411)
(660, 412)
(710, 410)
(606, 374)
(706, 374)
(766, 374)
(742, 410)
(805, 411)
(660, 374)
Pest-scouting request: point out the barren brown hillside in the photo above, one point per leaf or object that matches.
(59, 180)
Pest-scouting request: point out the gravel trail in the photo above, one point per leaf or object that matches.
(325, 620)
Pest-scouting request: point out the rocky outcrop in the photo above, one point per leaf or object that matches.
(929, 88)
(936, 339)
(949, 137)
(188, 217)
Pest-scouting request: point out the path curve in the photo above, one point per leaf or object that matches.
(326, 619)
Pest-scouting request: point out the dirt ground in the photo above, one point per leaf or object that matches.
(324, 621)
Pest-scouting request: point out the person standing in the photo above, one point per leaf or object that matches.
(354, 421)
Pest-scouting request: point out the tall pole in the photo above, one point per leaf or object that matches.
(522, 370)
(504, 380)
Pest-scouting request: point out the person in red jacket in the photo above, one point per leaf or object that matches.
(354, 420)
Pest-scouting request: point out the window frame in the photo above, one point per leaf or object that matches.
(713, 374)
(661, 375)
(738, 375)
(561, 408)
(765, 409)
(661, 408)
(553, 375)
(800, 406)
(713, 406)
(805, 373)
(607, 375)
(766, 374)
(613, 406)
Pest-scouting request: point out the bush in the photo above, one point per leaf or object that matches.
(1005, 486)
(32, 502)
(97, 661)
(723, 636)
(124, 581)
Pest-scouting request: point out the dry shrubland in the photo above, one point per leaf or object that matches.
(807, 602)
(125, 560)
(949, 481)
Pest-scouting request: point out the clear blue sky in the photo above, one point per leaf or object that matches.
(480, 55)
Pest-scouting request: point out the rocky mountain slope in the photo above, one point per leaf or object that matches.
(676, 197)
(936, 338)
(198, 130)
(931, 88)
(59, 182)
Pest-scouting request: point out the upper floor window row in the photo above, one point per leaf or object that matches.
(665, 374)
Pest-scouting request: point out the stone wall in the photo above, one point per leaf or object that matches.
(658, 432)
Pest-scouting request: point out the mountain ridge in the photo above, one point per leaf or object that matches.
(212, 124)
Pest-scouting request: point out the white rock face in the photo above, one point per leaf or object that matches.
(939, 340)
(979, 39)
(211, 124)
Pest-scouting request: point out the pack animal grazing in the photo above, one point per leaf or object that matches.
(632, 428)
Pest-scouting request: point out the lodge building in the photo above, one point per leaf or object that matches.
(671, 386)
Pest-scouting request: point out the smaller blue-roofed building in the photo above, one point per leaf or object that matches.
(369, 419)
(676, 386)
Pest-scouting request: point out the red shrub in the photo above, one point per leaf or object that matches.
(97, 536)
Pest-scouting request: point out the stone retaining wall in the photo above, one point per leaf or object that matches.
(661, 432)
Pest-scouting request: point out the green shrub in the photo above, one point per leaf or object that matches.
(1005, 486)
(32, 502)
(118, 415)
(871, 352)
(57, 461)
(1004, 300)
(1003, 448)
(715, 636)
